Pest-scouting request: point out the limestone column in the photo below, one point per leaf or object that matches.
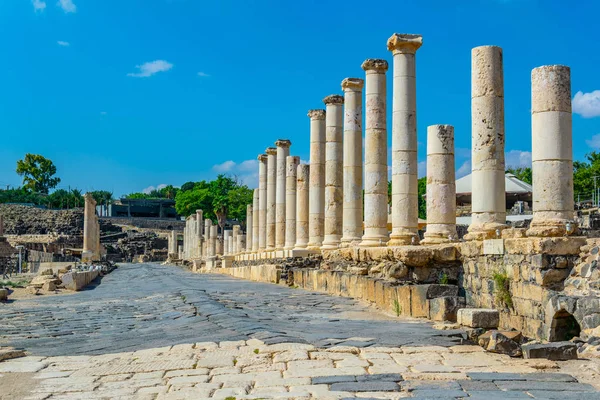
(219, 243)
(441, 187)
(241, 242)
(552, 152)
(291, 175)
(316, 216)
(213, 240)
(173, 242)
(376, 168)
(91, 231)
(283, 151)
(207, 225)
(249, 217)
(302, 208)
(199, 237)
(405, 197)
(333, 171)
(227, 242)
(234, 239)
(230, 244)
(1, 225)
(271, 195)
(255, 219)
(262, 202)
(352, 224)
(488, 187)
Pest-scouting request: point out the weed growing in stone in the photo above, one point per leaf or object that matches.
(397, 307)
(502, 289)
(256, 351)
(443, 278)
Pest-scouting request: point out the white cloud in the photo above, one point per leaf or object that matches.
(227, 166)
(517, 159)
(246, 171)
(151, 68)
(151, 188)
(307, 162)
(67, 6)
(38, 5)
(203, 75)
(464, 169)
(587, 104)
(422, 169)
(594, 142)
(63, 43)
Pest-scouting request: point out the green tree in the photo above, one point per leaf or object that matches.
(198, 198)
(20, 195)
(422, 190)
(102, 197)
(38, 173)
(188, 186)
(168, 192)
(522, 173)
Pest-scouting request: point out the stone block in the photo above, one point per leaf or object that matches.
(445, 308)
(498, 343)
(3, 294)
(557, 351)
(484, 339)
(478, 317)
(49, 286)
(493, 247)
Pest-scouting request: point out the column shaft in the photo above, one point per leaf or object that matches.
(283, 151)
(271, 195)
(353, 157)
(376, 168)
(255, 219)
(291, 175)
(249, 221)
(262, 202)
(213, 240)
(302, 209)
(316, 218)
(234, 240)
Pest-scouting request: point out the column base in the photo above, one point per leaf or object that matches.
(350, 241)
(551, 228)
(403, 239)
(300, 246)
(331, 242)
(373, 241)
(485, 231)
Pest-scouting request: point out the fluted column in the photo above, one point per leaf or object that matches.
(488, 186)
(291, 175)
(353, 157)
(405, 196)
(283, 151)
(255, 219)
(333, 171)
(316, 217)
(441, 187)
(302, 209)
(262, 202)
(271, 195)
(249, 221)
(552, 152)
(376, 168)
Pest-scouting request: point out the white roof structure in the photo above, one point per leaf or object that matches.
(513, 185)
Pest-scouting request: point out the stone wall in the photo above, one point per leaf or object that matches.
(147, 223)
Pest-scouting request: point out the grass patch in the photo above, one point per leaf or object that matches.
(256, 351)
(397, 307)
(234, 362)
(502, 289)
(17, 284)
(183, 298)
(443, 278)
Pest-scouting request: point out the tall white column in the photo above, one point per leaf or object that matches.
(405, 197)
(227, 245)
(255, 219)
(271, 195)
(249, 220)
(488, 186)
(441, 187)
(262, 202)
(353, 160)
(316, 218)
(291, 176)
(333, 171)
(552, 152)
(213, 240)
(302, 209)
(207, 224)
(234, 239)
(376, 167)
(283, 151)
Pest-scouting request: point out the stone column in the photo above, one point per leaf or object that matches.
(219, 242)
(488, 187)
(227, 242)
(333, 171)
(180, 252)
(241, 242)
(291, 175)
(441, 187)
(255, 219)
(262, 202)
(207, 225)
(283, 151)
(316, 216)
(249, 220)
(353, 157)
(91, 231)
(271, 195)
(199, 236)
(213, 240)
(376, 168)
(173, 243)
(234, 239)
(552, 152)
(302, 209)
(1, 225)
(405, 197)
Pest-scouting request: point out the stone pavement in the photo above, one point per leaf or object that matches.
(156, 332)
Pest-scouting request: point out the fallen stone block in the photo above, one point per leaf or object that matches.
(421, 293)
(498, 343)
(33, 290)
(78, 280)
(557, 351)
(8, 353)
(478, 317)
(445, 308)
(49, 286)
(3, 294)
(484, 339)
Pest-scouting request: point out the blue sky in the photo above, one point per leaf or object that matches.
(127, 94)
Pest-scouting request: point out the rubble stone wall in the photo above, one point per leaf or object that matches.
(147, 223)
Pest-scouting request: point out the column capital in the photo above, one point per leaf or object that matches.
(199, 211)
(283, 143)
(271, 151)
(316, 114)
(353, 84)
(375, 64)
(334, 99)
(262, 158)
(404, 43)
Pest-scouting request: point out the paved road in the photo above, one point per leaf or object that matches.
(142, 306)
